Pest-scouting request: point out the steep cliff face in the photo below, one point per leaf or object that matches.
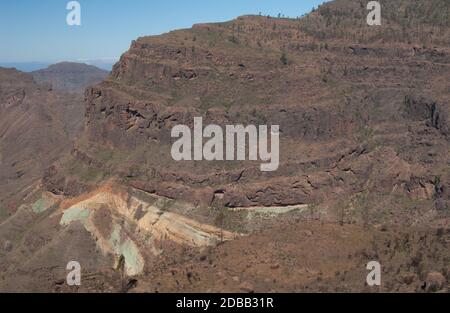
(341, 99)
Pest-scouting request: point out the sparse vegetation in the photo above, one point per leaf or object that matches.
(360, 202)
(337, 88)
(284, 60)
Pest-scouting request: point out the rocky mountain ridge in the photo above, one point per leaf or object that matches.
(341, 106)
(364, 127)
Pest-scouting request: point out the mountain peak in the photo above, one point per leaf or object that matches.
(70, 76)
(71, 66)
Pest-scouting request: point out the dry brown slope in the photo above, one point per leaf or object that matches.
(37, 126)
(364, 138)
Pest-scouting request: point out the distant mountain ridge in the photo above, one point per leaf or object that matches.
(70, 76)
(29, 67)
(26, 67)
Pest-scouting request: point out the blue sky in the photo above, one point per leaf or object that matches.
(36, 30)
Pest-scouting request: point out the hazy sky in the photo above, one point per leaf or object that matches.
(36, 30)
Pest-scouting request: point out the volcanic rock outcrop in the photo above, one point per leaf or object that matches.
(360, 108)
(114, 216)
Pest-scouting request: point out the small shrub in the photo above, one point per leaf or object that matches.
(284, 60)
